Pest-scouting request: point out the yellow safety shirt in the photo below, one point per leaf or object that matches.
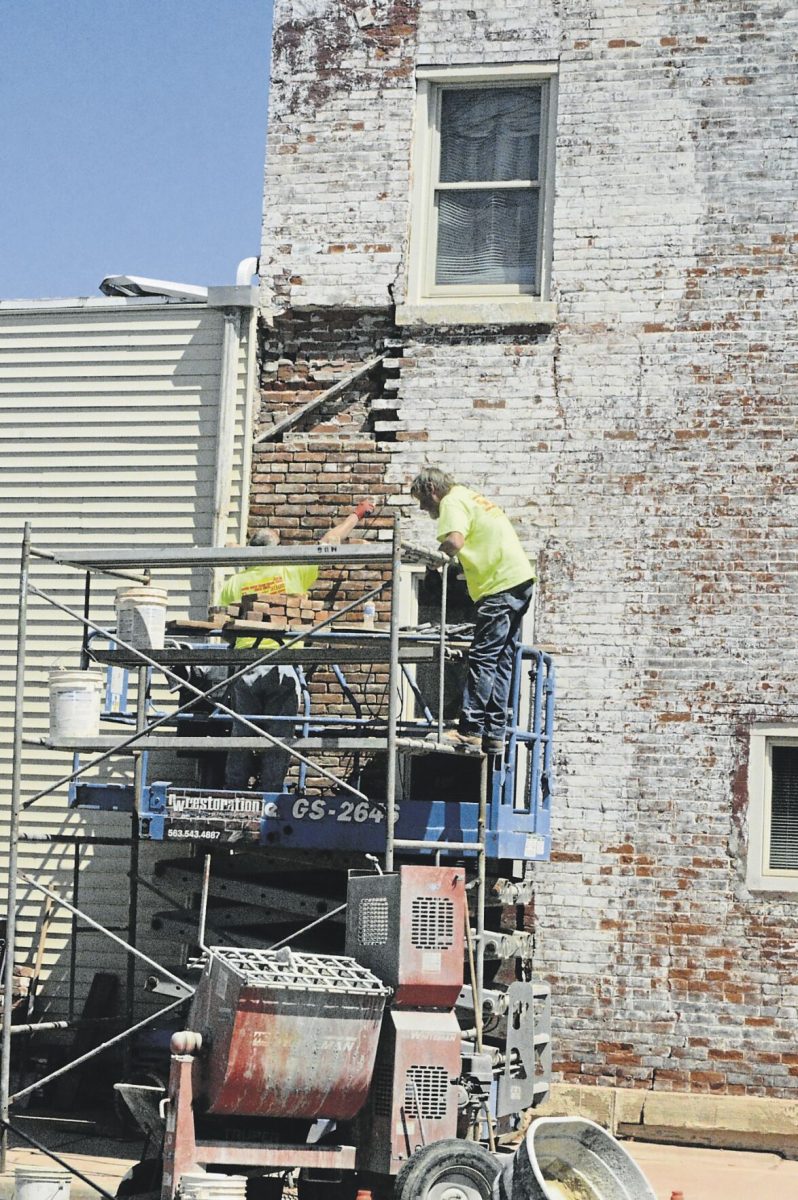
(289, 579)
(492, 557)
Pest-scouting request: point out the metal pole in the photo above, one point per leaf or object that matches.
(225, 428)
(73, 944)
(306, 928)
(84, 645)
(133, 892)
(481, 827)
(203, 915)
(116, 574)
(442, 649)
(102, 929)
(13, 844)
(393, 694)
(46, 1026)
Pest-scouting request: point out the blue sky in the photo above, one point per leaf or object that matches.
(133, 135)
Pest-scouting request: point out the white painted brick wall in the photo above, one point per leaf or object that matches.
(646, 447)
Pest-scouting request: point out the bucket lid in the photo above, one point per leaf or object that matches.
(33, 1171)
(212, 1184)
(75, 678)
(143, 592)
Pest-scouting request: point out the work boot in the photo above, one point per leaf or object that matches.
(460, 740)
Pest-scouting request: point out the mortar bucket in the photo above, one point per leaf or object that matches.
(141, 616)
(75, 703)
(569, 1158)
(200, 1185)
(42, 1183)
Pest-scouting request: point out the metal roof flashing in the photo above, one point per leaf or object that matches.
(97, 302)
(136, 291)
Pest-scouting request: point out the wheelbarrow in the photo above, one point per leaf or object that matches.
(569, 1158)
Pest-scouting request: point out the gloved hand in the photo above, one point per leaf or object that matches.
(365, 508)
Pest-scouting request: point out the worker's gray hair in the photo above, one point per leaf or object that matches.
(265, 537)
(430, 480)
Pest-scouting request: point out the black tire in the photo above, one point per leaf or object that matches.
(143, 1179)
(447, 1170)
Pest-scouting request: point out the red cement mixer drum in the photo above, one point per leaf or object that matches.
(285, 1034)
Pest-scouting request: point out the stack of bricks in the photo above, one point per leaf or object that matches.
(278, 611)
(255, 607)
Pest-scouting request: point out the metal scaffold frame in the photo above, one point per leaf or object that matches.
(120, 563)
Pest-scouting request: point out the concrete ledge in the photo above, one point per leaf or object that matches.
(725, 1122)
(511, 311)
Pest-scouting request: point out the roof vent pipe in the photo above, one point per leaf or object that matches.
(246, 269)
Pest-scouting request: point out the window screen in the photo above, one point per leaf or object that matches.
(784, 808)
(488, 234)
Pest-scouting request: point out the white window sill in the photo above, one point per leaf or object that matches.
(521, 310)
(785, 884)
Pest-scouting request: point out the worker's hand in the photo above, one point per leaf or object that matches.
(365, 508)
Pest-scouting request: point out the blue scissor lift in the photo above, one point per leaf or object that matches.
(519, 782)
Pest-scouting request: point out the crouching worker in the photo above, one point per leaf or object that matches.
(499, 578)
(267, 690)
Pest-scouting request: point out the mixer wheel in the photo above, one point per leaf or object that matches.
(447, 1170)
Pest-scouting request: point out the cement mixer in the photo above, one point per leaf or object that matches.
(353, 1069)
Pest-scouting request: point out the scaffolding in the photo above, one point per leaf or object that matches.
(321, 644)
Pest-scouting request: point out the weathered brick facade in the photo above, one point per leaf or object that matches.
(645, 445)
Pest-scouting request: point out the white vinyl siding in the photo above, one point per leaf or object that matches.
(109, 417)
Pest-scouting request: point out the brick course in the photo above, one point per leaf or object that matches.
(645, 445)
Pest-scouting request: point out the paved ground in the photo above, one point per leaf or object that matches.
(102, 1159)
(699, 1174)
(715, 1174)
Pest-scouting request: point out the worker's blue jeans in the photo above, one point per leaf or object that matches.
(264, 691)
(269, 691)
(497, 634)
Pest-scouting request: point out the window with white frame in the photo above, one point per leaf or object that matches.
(773, 809)
(483, 180)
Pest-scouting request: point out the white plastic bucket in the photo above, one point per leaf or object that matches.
(141, 616)
(42, 1183)
(202, 1186)
(75, 703)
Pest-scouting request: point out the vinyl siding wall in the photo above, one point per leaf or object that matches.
(109, 415)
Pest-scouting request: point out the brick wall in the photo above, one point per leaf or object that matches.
(310, 477)
(645, 446)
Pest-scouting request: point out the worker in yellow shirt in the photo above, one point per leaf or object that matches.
(269, 690)
(500, 579)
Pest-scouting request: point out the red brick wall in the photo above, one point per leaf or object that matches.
(311, 477)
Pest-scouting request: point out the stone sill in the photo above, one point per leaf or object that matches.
(687, 1118)
(515, 311)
